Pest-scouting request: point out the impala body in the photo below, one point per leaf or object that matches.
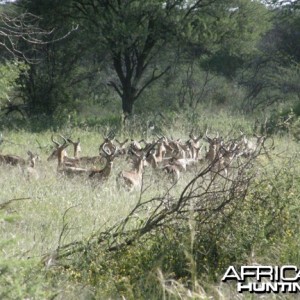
(13, 160)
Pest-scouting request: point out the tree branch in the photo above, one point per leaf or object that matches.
(152, 79)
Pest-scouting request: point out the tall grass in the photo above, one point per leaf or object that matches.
(55, 210)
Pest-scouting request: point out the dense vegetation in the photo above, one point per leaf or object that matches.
(89, 57)
(145, 69)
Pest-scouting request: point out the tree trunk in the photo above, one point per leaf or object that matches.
(128, 99)
(127, 106)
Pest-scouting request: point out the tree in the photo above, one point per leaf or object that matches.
(49, 88)
(272, 75)
(22, 38)
(9, 73)
(16, 28)
(238, 27)
(135, 43)
(136, 33)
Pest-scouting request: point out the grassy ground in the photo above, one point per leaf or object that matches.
(54, 210)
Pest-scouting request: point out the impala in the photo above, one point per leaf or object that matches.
(54, 154)
(214, 147)
(76, 146)
(108, 142)
(121, 147)
(62, 166)
(174, 168)
(104, 173)
(13, 160)
(31, 171)
(194, 144)
(84, 160)
(251, 146)
(133, 179)
(156, 157)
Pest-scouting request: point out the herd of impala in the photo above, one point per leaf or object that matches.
(169, 155)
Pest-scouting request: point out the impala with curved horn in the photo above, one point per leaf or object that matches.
(54, 154)
(214, 146)
(81, 160)
(133, 179)
(104, 173)
(62, 166)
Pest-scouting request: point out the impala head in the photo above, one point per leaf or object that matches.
(60, 150)
(133, 178)
(77, 147)
(104, 173)
(214, 146)
(121, 147)
(161, 147)
(191, 135)
(214, 142)
(108, 142)
(54, 154)
(109, 153)
(121, 144)
(136, 146)
(194, 138)
(33, 158)
(140, 156)
(207, 137)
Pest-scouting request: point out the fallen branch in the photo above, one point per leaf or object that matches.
(5, 204)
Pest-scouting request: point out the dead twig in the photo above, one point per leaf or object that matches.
(5, 204)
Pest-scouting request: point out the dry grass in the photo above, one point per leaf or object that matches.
(76, 206)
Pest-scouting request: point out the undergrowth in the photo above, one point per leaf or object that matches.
(184, 259)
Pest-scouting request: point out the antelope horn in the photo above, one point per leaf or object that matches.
(55, 142)
(207, 137)
(133, 152)
(149, 149)
(143, 141)
(191, 135)
(103, 149)
(206, 133)
(65, 140)
(111, 135)
(70, 141)
(123, 143)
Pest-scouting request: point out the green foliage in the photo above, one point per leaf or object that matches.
(287, 22)
(262, 229)
(130, 45)
(9, 73)
(231, 34)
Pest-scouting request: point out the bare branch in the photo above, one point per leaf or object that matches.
(152, 79)
(23, 27)
(5, 204)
